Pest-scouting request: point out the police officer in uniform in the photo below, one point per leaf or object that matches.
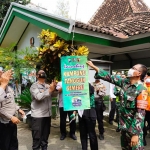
(41, 111)
(99, 92)
(8, 108)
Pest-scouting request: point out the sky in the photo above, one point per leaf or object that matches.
(85, 8)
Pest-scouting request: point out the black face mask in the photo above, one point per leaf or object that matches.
(42, 75)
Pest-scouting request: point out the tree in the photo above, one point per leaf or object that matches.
(4, 5)
(62, 8)
(16, 60)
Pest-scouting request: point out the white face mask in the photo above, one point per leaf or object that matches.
(130, 73)
(147, 80)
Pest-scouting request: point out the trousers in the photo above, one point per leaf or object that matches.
(40, 132)
(8, 136)
(99, 113)
(87, 126)
(63, 116)
(126, 140)
(113, 109)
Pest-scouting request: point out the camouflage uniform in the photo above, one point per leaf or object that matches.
(117, 94)
(131, 118)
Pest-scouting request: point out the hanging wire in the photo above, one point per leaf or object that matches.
(74, 23)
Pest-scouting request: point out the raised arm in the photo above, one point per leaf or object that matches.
(4, 80)
(102, 74)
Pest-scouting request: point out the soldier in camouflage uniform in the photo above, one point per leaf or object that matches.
(132, 104)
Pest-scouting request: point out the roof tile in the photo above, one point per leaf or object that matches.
(120, 18)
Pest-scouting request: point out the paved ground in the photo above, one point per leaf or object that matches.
(111, 142)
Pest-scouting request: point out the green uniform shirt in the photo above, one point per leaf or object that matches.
(131, 119)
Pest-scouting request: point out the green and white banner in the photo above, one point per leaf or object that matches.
(75, 86)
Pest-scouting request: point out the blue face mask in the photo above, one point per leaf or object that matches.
(118, 76)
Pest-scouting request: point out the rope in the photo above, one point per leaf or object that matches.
(74, 24)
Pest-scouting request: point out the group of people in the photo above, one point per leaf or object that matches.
(131, 91)
(115, 102)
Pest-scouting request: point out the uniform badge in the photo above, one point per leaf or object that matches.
(142, 100)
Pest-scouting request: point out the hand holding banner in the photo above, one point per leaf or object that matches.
(75, 87)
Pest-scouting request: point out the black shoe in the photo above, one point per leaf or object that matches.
(144, 142)
(62, 137)
(101, 136)
(110, 122)
(73, 137)
(117, 130)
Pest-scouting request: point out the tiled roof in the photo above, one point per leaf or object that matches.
(120, 18)
(101, 29)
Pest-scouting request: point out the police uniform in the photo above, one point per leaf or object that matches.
(41, 115)
(8, 130)
(99, 92)
(131, 114)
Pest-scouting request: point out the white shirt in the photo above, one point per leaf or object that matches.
(111, 92)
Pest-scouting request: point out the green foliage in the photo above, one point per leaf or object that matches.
(11, 59)
(4, 5)
(24, 99)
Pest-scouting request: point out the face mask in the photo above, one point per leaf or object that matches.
(131, 73)
(147, 80)
(118, 76)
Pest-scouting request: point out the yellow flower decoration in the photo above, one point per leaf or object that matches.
(53, 36)
(61, 45)
(44, 33)
(82, 50)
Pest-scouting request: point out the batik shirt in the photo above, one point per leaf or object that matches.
(99, 90)
(131, 119)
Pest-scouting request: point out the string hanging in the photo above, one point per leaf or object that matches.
(74, 24)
